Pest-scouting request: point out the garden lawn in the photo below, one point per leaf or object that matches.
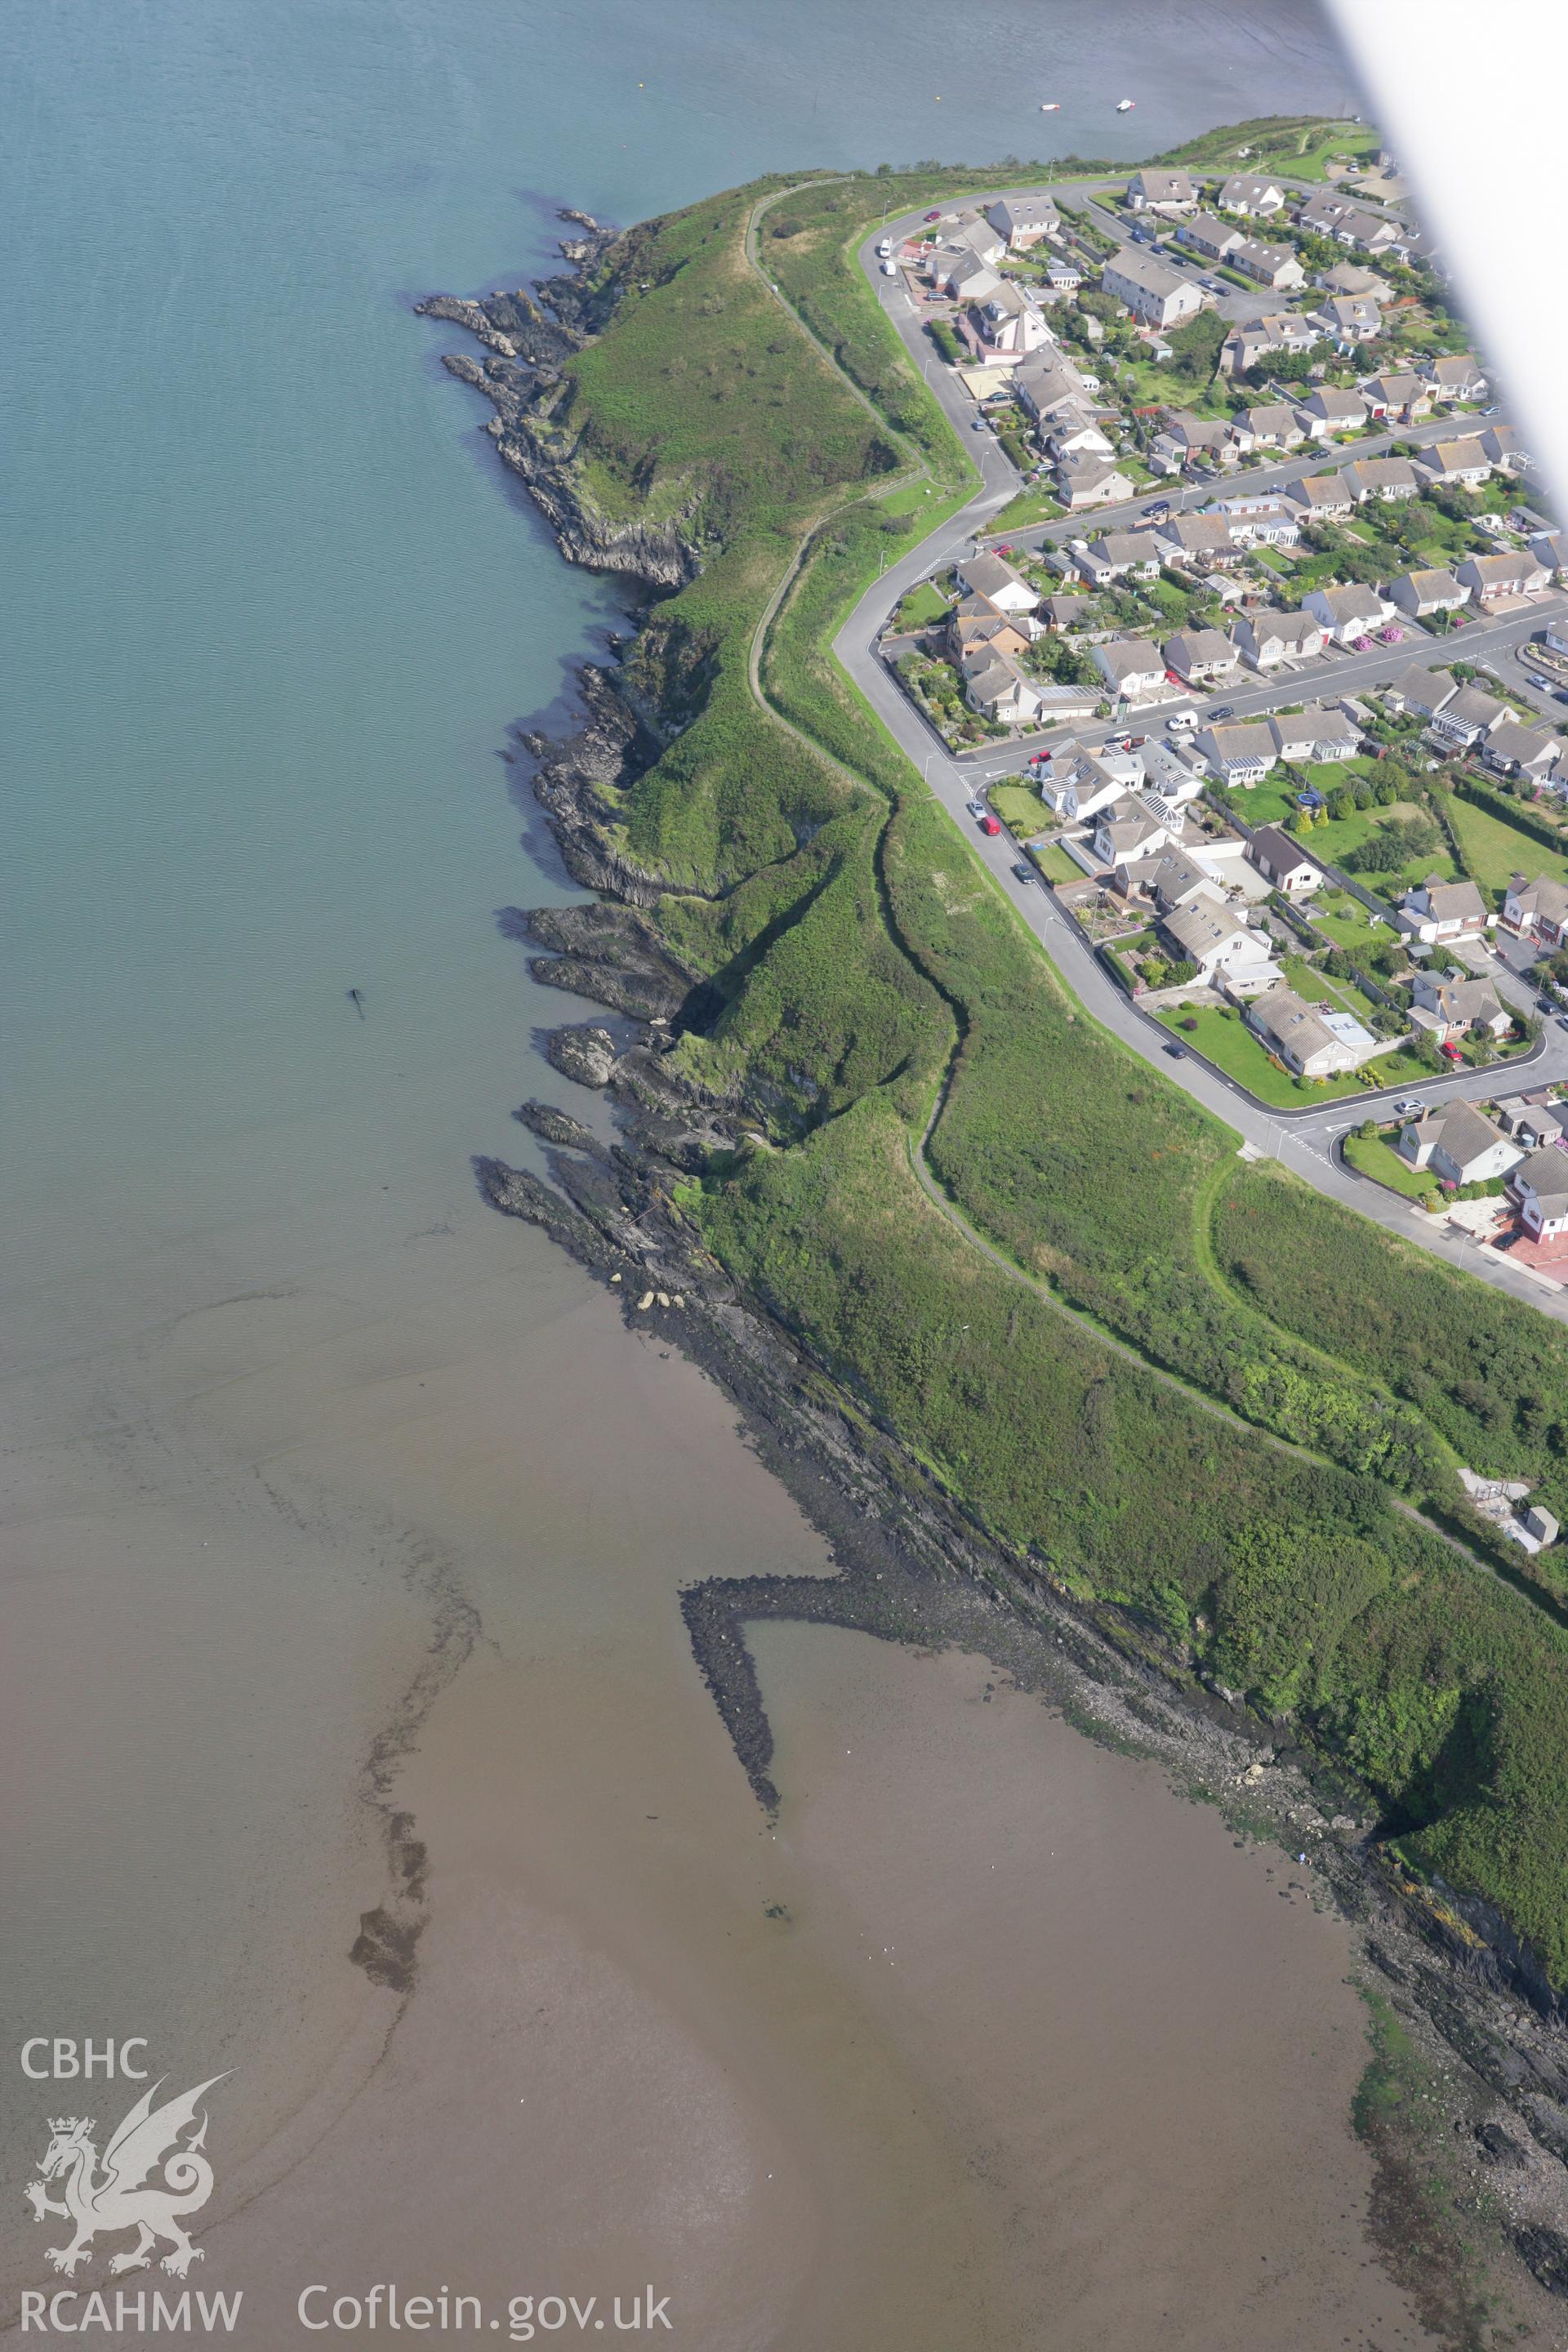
(1348, 923)
(1371, 1156)
(922, 606)
(1055, 864)
(1029, 506)
(1021, 810)
(1494, 849)
(1309, 980)
(1224, 1039)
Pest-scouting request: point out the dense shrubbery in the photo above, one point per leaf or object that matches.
(1490, 1373)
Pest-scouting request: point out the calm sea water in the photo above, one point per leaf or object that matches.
(268, 609)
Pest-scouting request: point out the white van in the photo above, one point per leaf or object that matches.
(889, 268)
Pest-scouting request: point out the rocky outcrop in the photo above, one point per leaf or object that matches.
(530, 335)
(584, 1055)
(558, 1127)
(612, 953)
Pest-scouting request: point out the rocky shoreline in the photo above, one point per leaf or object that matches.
(912, 1565)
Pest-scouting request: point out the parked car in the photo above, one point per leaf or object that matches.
(977, 808)
(1222, 710)
(1022, 869)
(1546, 1004)
(1562, 1020)
(885, 248)
(930, 216)
(1153, 512)
(1408, 1107)
(1177, 1053)
(1451, 1052)
(1184, 721)
(989, 824)
(889, 268)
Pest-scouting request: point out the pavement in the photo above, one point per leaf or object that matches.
(1305, 1141)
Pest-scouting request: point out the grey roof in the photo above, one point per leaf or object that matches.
(1247, 739)
(1431, 581)
(1127, 834)
(1283, 1015)
(1545, 1174)
(1394, 389)
(1215, 231)
(1461, 457)
(1319, 491)
(1239, 191)
(1199, 534)
(1202, 927)
(1277, 416)
(1452, 901)
(1471, 707)
(1190, 646)
(1124, 657)
(993, 679)
(1267, 260)
(1428, 689)
(1330, 402)
(1010, 213)
(1272, 846)
(1289, 628)
(1468, 1000)
(1351, 604)
(1451, 368)
(1463, 1131)
(1315, 724)
(1371, 474)
(984, 574)
(1141, 268)
(1546, 897)
(1126, 547)
(1163, 187)
(1169, 875)
(1497, 570)
(1528, 746)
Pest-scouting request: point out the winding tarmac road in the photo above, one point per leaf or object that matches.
(1305, 1141)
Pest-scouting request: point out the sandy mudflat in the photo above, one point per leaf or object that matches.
(1094, 2092)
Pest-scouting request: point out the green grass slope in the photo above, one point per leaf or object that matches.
(861, 956)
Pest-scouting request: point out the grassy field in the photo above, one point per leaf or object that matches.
(1369, 1155)
(1029, 506)
(1300, 145)
(859, 952)
(1494, 849)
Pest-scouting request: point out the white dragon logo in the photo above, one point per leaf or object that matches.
(124, 2195)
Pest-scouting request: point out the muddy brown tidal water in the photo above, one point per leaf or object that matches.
(991, 2039)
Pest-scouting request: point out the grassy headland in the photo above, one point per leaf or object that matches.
(860, 959)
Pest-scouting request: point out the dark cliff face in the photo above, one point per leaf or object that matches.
(531, 337)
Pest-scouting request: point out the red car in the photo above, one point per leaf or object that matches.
(990, 824)
(933, 217)
(1451, 1051)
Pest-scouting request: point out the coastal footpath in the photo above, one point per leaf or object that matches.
(861, 1105)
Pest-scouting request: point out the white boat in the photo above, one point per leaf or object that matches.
(1051, 106)
(1126, 105)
